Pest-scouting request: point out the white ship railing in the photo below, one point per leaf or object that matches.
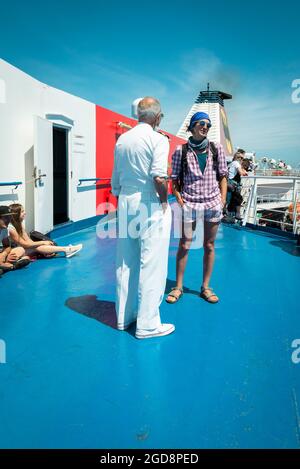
(278, 172)
(274, 194)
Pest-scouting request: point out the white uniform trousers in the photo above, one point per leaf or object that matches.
(142, 258)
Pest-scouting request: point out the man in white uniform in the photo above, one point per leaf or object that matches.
(139, 181)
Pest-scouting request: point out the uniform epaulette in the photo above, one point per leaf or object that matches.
(162, 133)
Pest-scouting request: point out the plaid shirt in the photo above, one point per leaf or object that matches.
(199, 188)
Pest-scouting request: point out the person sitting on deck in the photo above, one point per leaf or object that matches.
(34, 249)
(10, 258)
(235, 171)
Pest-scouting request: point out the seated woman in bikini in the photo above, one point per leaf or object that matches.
(34, 249)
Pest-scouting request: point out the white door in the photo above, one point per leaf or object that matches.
(43, 175)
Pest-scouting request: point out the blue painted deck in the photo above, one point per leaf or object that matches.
(224, 379)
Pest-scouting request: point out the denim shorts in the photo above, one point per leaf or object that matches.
(211, 215)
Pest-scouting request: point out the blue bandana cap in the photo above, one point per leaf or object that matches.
(198, 116)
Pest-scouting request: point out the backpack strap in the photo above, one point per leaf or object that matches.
(214, 151)
(215, 155)
(183, 165)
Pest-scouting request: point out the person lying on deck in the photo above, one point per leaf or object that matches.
(10, 258)
(32, 248)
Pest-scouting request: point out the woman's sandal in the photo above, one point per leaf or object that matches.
(173, 295)
(209, 295)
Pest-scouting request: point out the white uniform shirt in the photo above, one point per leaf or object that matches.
(140, 155)
(234, 167)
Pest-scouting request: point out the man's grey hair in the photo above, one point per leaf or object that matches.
(148, 108)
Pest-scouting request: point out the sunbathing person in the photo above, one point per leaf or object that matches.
(34, 249)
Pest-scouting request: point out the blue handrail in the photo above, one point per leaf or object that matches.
(92, 179)
(16, 184)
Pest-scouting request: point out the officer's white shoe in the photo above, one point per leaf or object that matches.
(164, 329)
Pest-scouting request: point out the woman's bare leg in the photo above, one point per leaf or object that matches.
(210, 233)
(55, 249)
(183, 251)
(181, 259)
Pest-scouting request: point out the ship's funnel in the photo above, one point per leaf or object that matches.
(211, 102)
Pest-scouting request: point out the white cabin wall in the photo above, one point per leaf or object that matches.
(21, 98)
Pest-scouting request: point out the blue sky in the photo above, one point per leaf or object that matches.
(113, 53)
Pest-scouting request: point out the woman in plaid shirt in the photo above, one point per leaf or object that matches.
(200, 186)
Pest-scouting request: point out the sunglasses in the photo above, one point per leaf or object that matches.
(203, 124)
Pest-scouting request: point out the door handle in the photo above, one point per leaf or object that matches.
(37, 176)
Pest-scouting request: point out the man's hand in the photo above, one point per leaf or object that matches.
(165, 206)
(6, 264)
(161, 186)
(4, 254)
